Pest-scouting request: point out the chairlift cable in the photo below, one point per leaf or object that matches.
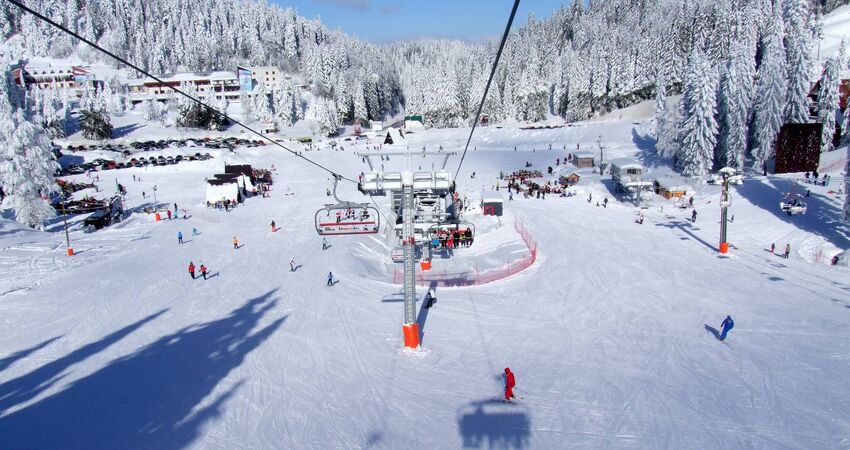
(489, 82)
(178, 91)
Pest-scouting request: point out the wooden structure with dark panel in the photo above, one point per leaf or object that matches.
(798, 147)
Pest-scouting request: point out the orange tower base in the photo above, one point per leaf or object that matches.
(411, 335)
(70, 251)
(724, 247)
(157, 217)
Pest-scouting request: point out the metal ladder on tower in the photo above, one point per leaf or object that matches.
(411, 328)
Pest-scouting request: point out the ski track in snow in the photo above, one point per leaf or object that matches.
(605, 331)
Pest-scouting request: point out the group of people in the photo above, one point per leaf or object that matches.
(450, 239)
(224, 204)
(351, 214)
(814, 179)
(787, 250)
(203, 270)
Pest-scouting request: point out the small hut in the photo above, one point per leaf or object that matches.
(583, 159)
(569, 180)
(491, 203)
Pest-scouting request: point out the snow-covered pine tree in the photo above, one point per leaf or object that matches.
(248, 113)
(699, 131)
(94, 121)
(770, 95)
(262, 103)
(660, 105)
(735, 103)
(828, 101)
(50, 114)
(798, 51)
(326, 115)
(27, 164)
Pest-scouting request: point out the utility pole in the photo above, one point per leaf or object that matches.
(724, 207)
(67, 237)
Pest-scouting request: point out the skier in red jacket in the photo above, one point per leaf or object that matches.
(192, 269)
(510, 383)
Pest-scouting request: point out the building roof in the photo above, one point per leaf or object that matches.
(492, 197)
(220, 181)
(584, 154)
(223, 75)
(626, 163)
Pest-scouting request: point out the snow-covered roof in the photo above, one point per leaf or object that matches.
(188, 76)
(492, 197)
(626, 163)
(584, 154)
(223, 75)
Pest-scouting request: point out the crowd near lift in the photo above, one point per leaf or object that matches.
(793, 203)
(344, 217)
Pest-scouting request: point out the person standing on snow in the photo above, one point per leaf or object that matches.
(169, 213)
(235, 243)
(179, 237)
(772, 247)
(510, 384)
(787, 250)
(324, 243)
(330, 278)
(192, 269)
(274, 227)
(727, 325)
(292, 265)
(694, 216)
(204, 271)
(195, 231)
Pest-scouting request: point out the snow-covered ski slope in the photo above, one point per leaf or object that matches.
(117, 348)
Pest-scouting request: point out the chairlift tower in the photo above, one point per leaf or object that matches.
(380, 183)
(728, 175)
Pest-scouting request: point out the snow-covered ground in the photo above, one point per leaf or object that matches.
(117, 347)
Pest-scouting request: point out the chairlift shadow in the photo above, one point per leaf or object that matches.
(494, 424)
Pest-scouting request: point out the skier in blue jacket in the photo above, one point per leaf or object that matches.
(727, 325)
(330, 278)
(179, 237)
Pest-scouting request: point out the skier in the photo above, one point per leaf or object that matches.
(605, 202)
(694, 216)
(429, 299)
(195, 231)
(589, 197)
(175, 208)
(330, 278)
(510, 383)
(324, 243)
(235, 243)
(143, 195)
(274, 228)
(192, 269)
(510, 195)
(179, 237)
(727, 325)
(772, 247)
(169, 213)
(292, 265)
(787, 250)
(204, 271)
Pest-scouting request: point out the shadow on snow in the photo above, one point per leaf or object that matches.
(151, 398)
(494, 424)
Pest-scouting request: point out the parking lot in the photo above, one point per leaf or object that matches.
(195, 150)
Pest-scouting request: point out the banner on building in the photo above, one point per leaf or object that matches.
(246, 79)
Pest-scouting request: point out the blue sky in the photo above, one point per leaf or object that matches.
(384, 21)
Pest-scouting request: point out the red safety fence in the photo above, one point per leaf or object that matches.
(445, 278)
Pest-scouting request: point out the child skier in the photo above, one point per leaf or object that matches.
(274, 228)
(195, 231)
(292, 265)
(192, 269)
(330, 278)
(727, 325)
(510, 384)
(235, 242)
(179, 237)
(204, 271)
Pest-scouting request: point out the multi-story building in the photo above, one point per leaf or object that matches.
(223, 84)
(270, 76)
(72, 78)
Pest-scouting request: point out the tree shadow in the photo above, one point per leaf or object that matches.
(11, 359)
(27, 387)
(494, 424)
(713, 331)
(822, 218)
(161, 396)
(124, 130)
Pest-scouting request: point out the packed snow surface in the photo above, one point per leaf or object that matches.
(609, 333)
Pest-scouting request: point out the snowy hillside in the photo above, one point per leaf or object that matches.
(609, 332)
